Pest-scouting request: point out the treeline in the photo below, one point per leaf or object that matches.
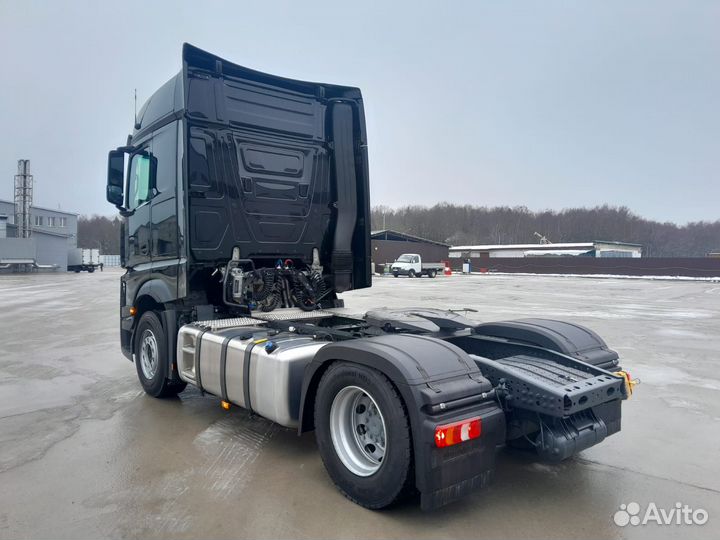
(466, 224)
(99, 232)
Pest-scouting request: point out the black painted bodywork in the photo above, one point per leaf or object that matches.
(277, 169)
(272, 166)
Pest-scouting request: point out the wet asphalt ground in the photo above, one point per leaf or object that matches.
(85, 454)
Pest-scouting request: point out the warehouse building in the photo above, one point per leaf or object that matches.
(53, 234)
(575, 249)
(387, 245)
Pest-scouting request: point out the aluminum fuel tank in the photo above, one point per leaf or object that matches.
(249, 367)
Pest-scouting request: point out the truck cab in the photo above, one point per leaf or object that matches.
(228, 162)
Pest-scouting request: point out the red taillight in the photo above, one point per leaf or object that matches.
(457, 432)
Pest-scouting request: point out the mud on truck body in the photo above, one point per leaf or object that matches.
(246, 211)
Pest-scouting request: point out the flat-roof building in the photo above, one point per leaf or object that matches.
(573, 249)
(53, 234)
(387, 245)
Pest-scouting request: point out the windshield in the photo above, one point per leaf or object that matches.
(405, 258)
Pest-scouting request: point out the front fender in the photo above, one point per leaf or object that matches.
(157, 289)
(154, 294)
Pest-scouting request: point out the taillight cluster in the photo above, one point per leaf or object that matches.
(457, 432)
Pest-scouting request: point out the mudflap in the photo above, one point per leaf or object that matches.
(453, 472)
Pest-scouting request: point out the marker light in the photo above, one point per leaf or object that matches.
(225, 405)
(457, 432)
(133, 311)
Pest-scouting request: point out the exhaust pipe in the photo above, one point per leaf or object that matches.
(346, 190)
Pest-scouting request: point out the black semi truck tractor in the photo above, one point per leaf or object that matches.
(246, 211)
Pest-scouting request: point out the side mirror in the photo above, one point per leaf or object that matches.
(116, 178)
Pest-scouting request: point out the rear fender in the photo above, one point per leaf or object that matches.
(564, 337)
(439, 384)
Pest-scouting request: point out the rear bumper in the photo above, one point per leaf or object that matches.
(447, 474)
(560, 439)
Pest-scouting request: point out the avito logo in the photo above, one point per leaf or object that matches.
(680, 514)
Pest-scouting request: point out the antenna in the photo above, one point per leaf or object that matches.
(136, 122)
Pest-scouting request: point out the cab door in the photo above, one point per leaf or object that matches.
(164, 230)
(416, 264)
(138, 249)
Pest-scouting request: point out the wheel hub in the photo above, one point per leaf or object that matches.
(357, 428)
(148, 354)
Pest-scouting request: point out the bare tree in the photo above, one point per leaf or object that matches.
(467, 224)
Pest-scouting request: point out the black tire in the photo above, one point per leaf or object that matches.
(91, 269)
(155, 383)
(393, 480)
(396, 274)
(419, 274)
(411, 273)
(432, 273)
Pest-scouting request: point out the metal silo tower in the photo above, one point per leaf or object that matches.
(23, 198)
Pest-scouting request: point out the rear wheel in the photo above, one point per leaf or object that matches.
(363, 435)
(151, 358)
(432, 273)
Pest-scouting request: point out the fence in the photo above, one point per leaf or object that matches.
(685, 266)
(110, 260)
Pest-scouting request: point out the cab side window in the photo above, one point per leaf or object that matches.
(139, 188)
(163, 147)
(160, 154)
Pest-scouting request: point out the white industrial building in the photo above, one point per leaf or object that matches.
(32, 237)
(575, 249)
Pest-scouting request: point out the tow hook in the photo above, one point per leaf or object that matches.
(630, 383)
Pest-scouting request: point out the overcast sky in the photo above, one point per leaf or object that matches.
(543, 104)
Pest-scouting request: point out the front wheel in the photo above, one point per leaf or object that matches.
(411, 273)
(151, 358)
(396, 274)
(363, 435)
